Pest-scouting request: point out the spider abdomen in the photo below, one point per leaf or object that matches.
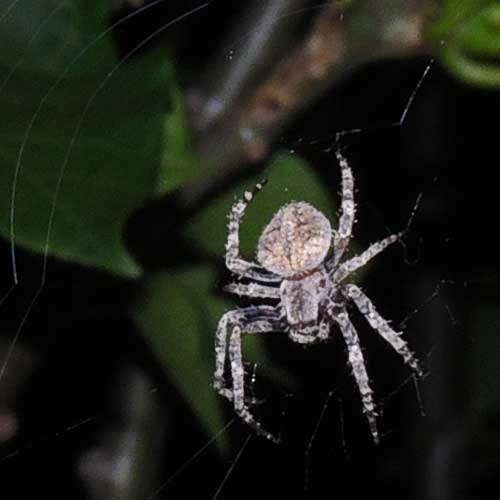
(296, 240)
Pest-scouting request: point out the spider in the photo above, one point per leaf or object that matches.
(310, 291)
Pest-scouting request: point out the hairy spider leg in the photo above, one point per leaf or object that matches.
(229, 318)
(234, 262)
(357, 363)
(343, 233)
(381, 326)
(253, 319)
(253, 290)
(353, 264)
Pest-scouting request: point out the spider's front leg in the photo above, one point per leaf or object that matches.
(357, 363)
(348, 212)
(234, 262)
(358, 261)
(254, 319)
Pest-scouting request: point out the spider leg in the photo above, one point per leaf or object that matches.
(353, 264)
(381, 326)
(253, 290)
(237, 372)
(230, 318)
(233, 260)
(348, 212)
(234, 324)
(357, 363)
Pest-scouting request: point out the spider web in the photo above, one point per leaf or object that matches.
(228, 477)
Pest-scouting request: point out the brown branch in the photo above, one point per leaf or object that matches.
(344, 36)
(264, 30)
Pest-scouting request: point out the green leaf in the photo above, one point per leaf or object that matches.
(290, 179)
(46, 36)
(486, 363)
(468, 34)
(178, 314)
(180, 163)
(114, 160)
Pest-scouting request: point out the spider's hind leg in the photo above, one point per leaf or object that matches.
(256, 319)
(357, 363)
(238, 372)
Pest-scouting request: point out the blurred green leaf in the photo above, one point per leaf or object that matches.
(468, 34)
(114, 162)
(486, 362)
(178, 314)
(180, 163)
(46, 36)
(290, 179)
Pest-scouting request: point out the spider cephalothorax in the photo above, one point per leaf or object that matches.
(309, 290)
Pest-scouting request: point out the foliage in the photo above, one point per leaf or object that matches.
(179, 164)
(113, 164)
(467, 34)
(177, 314)
(486, 366)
